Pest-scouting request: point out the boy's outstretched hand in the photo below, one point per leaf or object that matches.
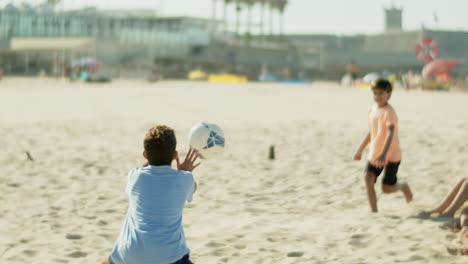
(358, 155)
(189, 162)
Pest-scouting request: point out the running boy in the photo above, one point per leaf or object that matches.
(384, 149)
(152, 232)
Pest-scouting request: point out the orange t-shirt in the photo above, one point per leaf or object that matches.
(379, 121)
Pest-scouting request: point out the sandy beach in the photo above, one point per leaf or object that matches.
(307, 206)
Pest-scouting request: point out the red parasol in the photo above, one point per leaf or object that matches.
(438, 67)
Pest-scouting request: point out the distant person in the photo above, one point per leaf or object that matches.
(452, 202)
(56, 68)
(384, 149)
(84, 75)
(152, 232)
(353, 70)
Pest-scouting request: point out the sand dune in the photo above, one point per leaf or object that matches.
(307, 206)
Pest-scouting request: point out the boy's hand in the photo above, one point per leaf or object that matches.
(380, 161)
(189, 162)
(358, 155)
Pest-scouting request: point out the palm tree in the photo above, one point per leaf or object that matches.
(271, 6)
(214, 23)
(262, 16)
(52, 3)
(226, 4)
(238, 11)
(214, 6)
(280, 5)
(250, 4)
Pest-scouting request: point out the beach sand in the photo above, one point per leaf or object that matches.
(307, 206)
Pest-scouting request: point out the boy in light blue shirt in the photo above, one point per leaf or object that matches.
(152, 232)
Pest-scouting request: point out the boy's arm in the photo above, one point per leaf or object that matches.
(380, 161)
(363, 146)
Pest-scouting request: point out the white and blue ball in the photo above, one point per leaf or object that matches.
(207, 139)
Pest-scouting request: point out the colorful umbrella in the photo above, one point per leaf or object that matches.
(438, 67)
(87, 62)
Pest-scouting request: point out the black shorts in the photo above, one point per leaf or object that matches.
(184, 260)
(391, 170)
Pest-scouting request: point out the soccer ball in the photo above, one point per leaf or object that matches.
(207, 139)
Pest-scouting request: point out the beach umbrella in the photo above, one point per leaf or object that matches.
(86, 62)
(370, 77)
(439, 67)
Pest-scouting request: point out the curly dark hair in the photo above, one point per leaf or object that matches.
(382, 84)
(160, 145)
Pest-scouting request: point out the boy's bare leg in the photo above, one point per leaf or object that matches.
(447, 200)
(403, 187)
(371, 196)
(464, 231)
(458, 201)
(106, 261)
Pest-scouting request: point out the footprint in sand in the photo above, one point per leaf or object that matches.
(416, 258)
(450, 236)
(268, 184)
(454, 251)
(240, 247)
(101, 170)
(213, 244)
(231, 240)
(295, 254)
(106, 236)
(261, 198)
(356, 241)
(73, 236)
(78, 254)
(414, 248)
(218, 253)
(30, 253)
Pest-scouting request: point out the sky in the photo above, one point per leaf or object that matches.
(311, 16)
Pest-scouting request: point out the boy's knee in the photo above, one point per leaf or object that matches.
(369, 178)
(465, 184)
(465, 211)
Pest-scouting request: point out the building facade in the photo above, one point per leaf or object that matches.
(32, 38)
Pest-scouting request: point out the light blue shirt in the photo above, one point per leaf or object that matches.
(152, 232)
